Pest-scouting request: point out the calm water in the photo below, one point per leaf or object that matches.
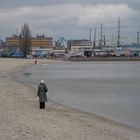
(110, 89)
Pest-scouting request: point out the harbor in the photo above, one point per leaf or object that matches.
(70, 70)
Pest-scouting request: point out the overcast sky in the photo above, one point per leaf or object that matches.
(71, 19)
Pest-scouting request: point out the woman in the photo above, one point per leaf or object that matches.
(42, 89)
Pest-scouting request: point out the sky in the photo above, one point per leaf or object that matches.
(71, 19)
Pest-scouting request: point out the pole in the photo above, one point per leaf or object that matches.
(101, 38)
(118, 42)
(138, 38)
(94, 44)
(90, 34)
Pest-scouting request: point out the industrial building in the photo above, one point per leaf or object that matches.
(77, 47)
(42, 42)
(37, 42)
(40, 53)
(82, 42)
(13, 41)
(41, 45)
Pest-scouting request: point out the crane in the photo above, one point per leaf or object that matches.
(60, 42)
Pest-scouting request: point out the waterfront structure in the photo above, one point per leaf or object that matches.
(39, 52)
(42, 42)
(13, 41)
(1, 50)
(37, 42)
(131, 49)
(82, 42)
(79, 46)
(59, 52)
(41, 45)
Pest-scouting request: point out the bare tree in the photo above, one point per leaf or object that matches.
(25, 39)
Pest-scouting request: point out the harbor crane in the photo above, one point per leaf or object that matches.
(60, 42)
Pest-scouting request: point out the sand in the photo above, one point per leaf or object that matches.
(21, 118)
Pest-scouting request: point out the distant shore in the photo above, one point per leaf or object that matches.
(21, 118)
(103, 59)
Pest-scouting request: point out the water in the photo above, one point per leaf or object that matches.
(109, 89)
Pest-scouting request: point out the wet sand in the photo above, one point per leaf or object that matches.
(21, 118)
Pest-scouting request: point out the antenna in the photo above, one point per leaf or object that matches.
(138, 38)
(104, 40)
(90, 34)
(101, 38)
(118, 42)
(112, 40)
(17, 32)
(94, 43)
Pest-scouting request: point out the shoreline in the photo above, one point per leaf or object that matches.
(103, 59)
(94, 115)
(58, 120)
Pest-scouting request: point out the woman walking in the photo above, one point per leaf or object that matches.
(42, 89)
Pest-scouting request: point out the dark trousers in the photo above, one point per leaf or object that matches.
(42, 105)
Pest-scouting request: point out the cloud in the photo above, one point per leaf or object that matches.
(26, 3)
(83, 14)
(69, 20)
(104, 13)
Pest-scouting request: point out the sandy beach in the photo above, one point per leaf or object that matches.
(21, 118)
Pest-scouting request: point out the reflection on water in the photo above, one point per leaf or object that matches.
(110, 89)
